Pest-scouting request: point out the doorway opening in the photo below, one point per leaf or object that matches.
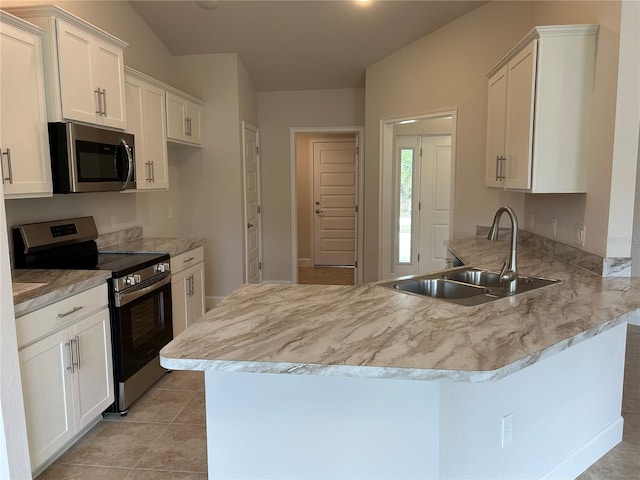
(417, 172)
(326, 194)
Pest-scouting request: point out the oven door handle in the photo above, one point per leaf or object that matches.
(123, 298)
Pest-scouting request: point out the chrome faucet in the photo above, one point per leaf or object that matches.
(509, 271)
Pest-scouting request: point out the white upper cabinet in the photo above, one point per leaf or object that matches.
(146, 120)
(538, 114)
(184, 119)
(84, 68)
(24, 144)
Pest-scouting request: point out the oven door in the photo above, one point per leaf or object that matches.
(142, 325)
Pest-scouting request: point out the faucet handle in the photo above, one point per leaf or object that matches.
(503, 269)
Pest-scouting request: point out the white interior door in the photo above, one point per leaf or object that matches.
(434, 207)
(422, 177)
(253, 234)
(334, 196)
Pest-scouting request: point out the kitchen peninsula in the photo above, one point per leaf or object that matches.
(310, 381)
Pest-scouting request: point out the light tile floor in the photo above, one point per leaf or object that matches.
(163, 436)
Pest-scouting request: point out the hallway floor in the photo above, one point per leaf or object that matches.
(163, 436)
(325, 275)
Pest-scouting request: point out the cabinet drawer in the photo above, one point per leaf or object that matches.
(187, 259)
(37, 324)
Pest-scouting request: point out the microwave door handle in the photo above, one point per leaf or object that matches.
(130, 161)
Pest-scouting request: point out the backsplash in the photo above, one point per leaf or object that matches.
(604, 266)
(121, 236)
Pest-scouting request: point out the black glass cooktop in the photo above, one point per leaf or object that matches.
(125, 263)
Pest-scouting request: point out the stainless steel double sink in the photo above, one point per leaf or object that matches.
(468, 286)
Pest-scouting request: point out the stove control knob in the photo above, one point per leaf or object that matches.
(162, 267)
(132, 279)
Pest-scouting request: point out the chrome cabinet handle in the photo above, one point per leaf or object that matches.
(104, 102)
(148, 172)
(8, 154)
(153, 172)
(99, 102)
(71, 366)
(73, 310)
(500, 167)
(77, 341)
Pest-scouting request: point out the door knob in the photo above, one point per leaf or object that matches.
(249, 225)
(319, 212)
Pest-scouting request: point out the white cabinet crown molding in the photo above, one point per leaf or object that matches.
(10, 19)
(57, 12)
(168, 88)
(544, 31)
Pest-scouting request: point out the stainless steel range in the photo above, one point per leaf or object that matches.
(139, 295)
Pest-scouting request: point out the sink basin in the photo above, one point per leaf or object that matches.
(466, 286)
(439, 288)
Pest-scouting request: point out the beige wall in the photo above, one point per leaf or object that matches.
(210, 182)
(442, 71)
(278, 112)
(592, 209)
(304, 190)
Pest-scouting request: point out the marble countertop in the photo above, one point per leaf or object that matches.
(35, 289)
(172, 246)
(371, 331)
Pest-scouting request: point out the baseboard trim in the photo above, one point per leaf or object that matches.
(305, 263)
(588, 454)
(210, 302)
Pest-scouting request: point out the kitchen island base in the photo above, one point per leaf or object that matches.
(552, 419)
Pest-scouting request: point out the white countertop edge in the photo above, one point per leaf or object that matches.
(49, 298)
(399, 373)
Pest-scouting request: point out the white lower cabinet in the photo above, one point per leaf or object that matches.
(187, 289)
(66, 369)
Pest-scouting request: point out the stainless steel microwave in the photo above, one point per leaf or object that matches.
(90, 159)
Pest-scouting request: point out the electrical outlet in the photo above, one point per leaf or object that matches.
(579, 234)
(531, 224)
(554, 227)
(170, 212)
(114, 220)
(507, 429)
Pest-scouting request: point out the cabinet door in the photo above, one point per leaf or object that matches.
(146, 120)
(154, 135)
(519, 130)
(77, 86)
(47, 391)
(179, 302)
(496, 122)
(26, 169)
(94, 375)
(107, 61)
(195, 291)
(194, 123)
(176, 118)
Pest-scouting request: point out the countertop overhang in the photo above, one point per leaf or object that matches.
(370, 331)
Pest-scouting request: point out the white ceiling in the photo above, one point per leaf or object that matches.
(298, 45)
